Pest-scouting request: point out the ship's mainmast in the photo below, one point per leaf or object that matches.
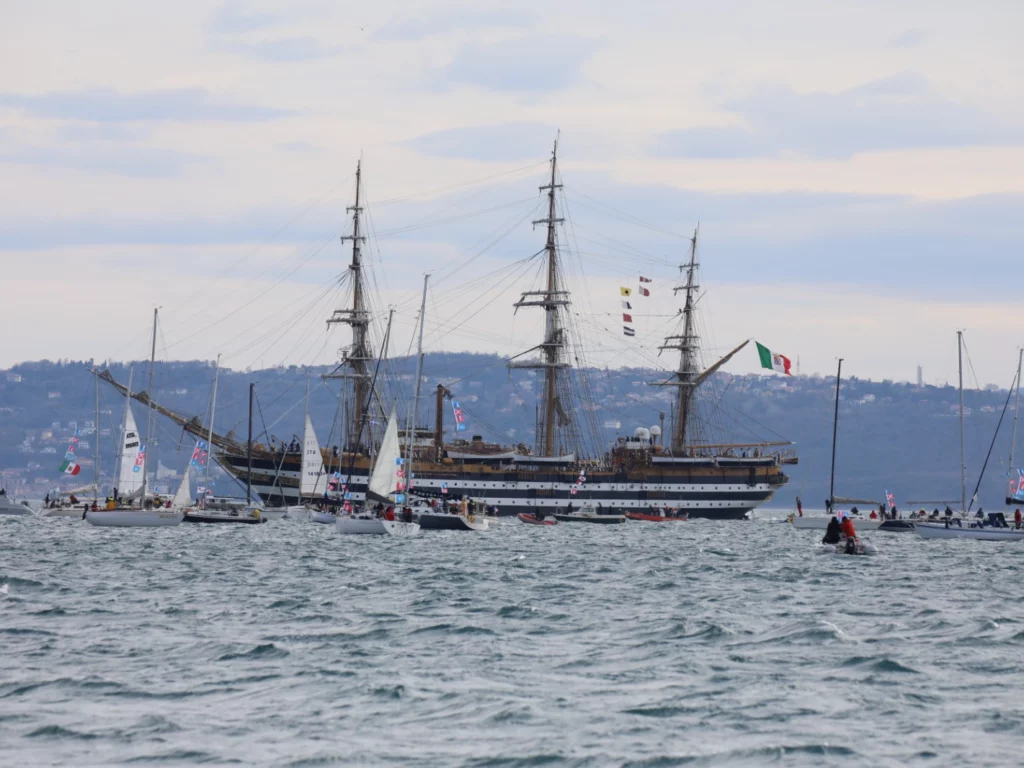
(357, 358)
(552, 357)
(688, 344)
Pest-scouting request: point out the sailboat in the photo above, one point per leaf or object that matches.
(247, 515)
(391, 476)
(311, 473)
(859, 546)
(132, 477)
(954, 528)
(386, 484)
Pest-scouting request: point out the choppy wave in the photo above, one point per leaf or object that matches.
(644, 645)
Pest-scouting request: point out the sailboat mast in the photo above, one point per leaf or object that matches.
(96, 436)
(357, 317)
(1016, 410)
(409, 433)
(835, 431)
(963, 453)
(248, 454)
(149, 407)
(550, 300)
(209, 436)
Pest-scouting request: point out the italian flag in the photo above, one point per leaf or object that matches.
(773, 361)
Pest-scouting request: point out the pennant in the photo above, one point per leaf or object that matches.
(399, 498)
(628, 331)
(627, 318)
(444, 487)
(644, 291)
(626, 305)
(573, 490)
(626, 291)
(890, 499)
(644, 279)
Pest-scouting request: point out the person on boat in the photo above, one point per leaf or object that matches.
(874, 515)
(828, 506)
(847, 529)
(568, 508)
(799, 507)
(831, 532)
(111, 504)
(538, 513)
(94, 506)
(389, 513)
(46, 501)
(1016, 518)
(74, 499)
(980, 514)
(407, 514)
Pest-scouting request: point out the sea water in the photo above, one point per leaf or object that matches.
(644, 644)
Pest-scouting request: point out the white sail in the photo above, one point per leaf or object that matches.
(313, 480)
(183, 496)
(388, 471)
(130, 479)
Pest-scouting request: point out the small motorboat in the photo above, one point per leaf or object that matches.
(126, 517)
(224, 516)
(365, 523)
(590, 517)
(533, 519)
(649, 518)
(322, 516)
(896, 526)
(861, 547)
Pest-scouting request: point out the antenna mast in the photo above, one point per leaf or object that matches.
(357, 357)
(552, 358)
(688, 344)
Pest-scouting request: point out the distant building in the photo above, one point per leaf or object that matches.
(14, 378)
(53, 395)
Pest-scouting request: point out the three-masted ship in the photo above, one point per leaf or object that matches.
(647, 470)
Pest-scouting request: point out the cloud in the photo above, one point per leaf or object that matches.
(523, 64)
(502, 142)
(908, 38)
(231, 18)
(285, 49)
(104, 105)
(117, 160)
(412, 29)
(901, 112)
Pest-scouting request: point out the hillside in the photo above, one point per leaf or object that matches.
(892, 436)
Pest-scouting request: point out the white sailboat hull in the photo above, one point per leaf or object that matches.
(274, 513)
(375, 526)
(940, 531)
(12, 509)
(64, 512)
(135, 518)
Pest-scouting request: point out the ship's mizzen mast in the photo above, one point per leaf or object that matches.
(552, 357)
(687, 376)
(357, 358)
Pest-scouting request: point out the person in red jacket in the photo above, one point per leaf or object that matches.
(846, 527)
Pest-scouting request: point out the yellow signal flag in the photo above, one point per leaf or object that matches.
(626, 291)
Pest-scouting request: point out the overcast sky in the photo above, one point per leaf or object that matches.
(857, 169)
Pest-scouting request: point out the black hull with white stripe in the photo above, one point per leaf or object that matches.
(711, 492)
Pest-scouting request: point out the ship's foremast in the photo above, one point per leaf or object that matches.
(357, 358)
(687, 376)
(551, 299)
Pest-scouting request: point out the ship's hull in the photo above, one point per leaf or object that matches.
(718, 493)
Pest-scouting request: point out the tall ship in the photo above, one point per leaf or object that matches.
(679, 465)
